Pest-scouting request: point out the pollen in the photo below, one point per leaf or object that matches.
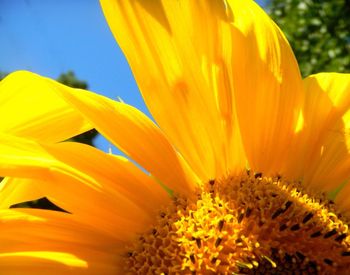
(246, 224)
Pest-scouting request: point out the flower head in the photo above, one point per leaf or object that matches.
(247, 166)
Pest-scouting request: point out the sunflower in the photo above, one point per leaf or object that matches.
(245, 172)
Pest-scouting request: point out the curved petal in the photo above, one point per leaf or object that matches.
(16, 190)
(136, 135)
(30, 109)
(181, 56)
(267, 85)
(108, 188)
(48, 242)
(115, 175)
(206, 61)
(324, 146)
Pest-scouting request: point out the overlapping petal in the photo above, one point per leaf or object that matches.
(209, 62)
(135, 134)
(324, 149)
(30, 108)
(221, 81)
(267, 86)
(322, 153)
(330, 160)
(96, 187)
(181, 56)
(16, 190)
(49, 242)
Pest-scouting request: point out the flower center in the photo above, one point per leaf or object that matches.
(245, 224)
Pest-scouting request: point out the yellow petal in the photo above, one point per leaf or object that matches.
(267, 86)
(136, 135)
(29, 108)
(109, 188)
(325, 138)
(48, 242)
(116, 177)
(15, 221)
(39, 258)
(181, 55)
(16, 190)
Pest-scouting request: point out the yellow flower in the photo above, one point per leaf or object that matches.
(239, 164)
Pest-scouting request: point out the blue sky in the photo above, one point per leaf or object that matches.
(50, 37)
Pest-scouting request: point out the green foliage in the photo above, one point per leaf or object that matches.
(318, 31)
(70, 80)
(2, 75)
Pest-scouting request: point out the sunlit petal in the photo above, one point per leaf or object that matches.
(48, 242)
(29, 108)
(136, 135)
(181, 55)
